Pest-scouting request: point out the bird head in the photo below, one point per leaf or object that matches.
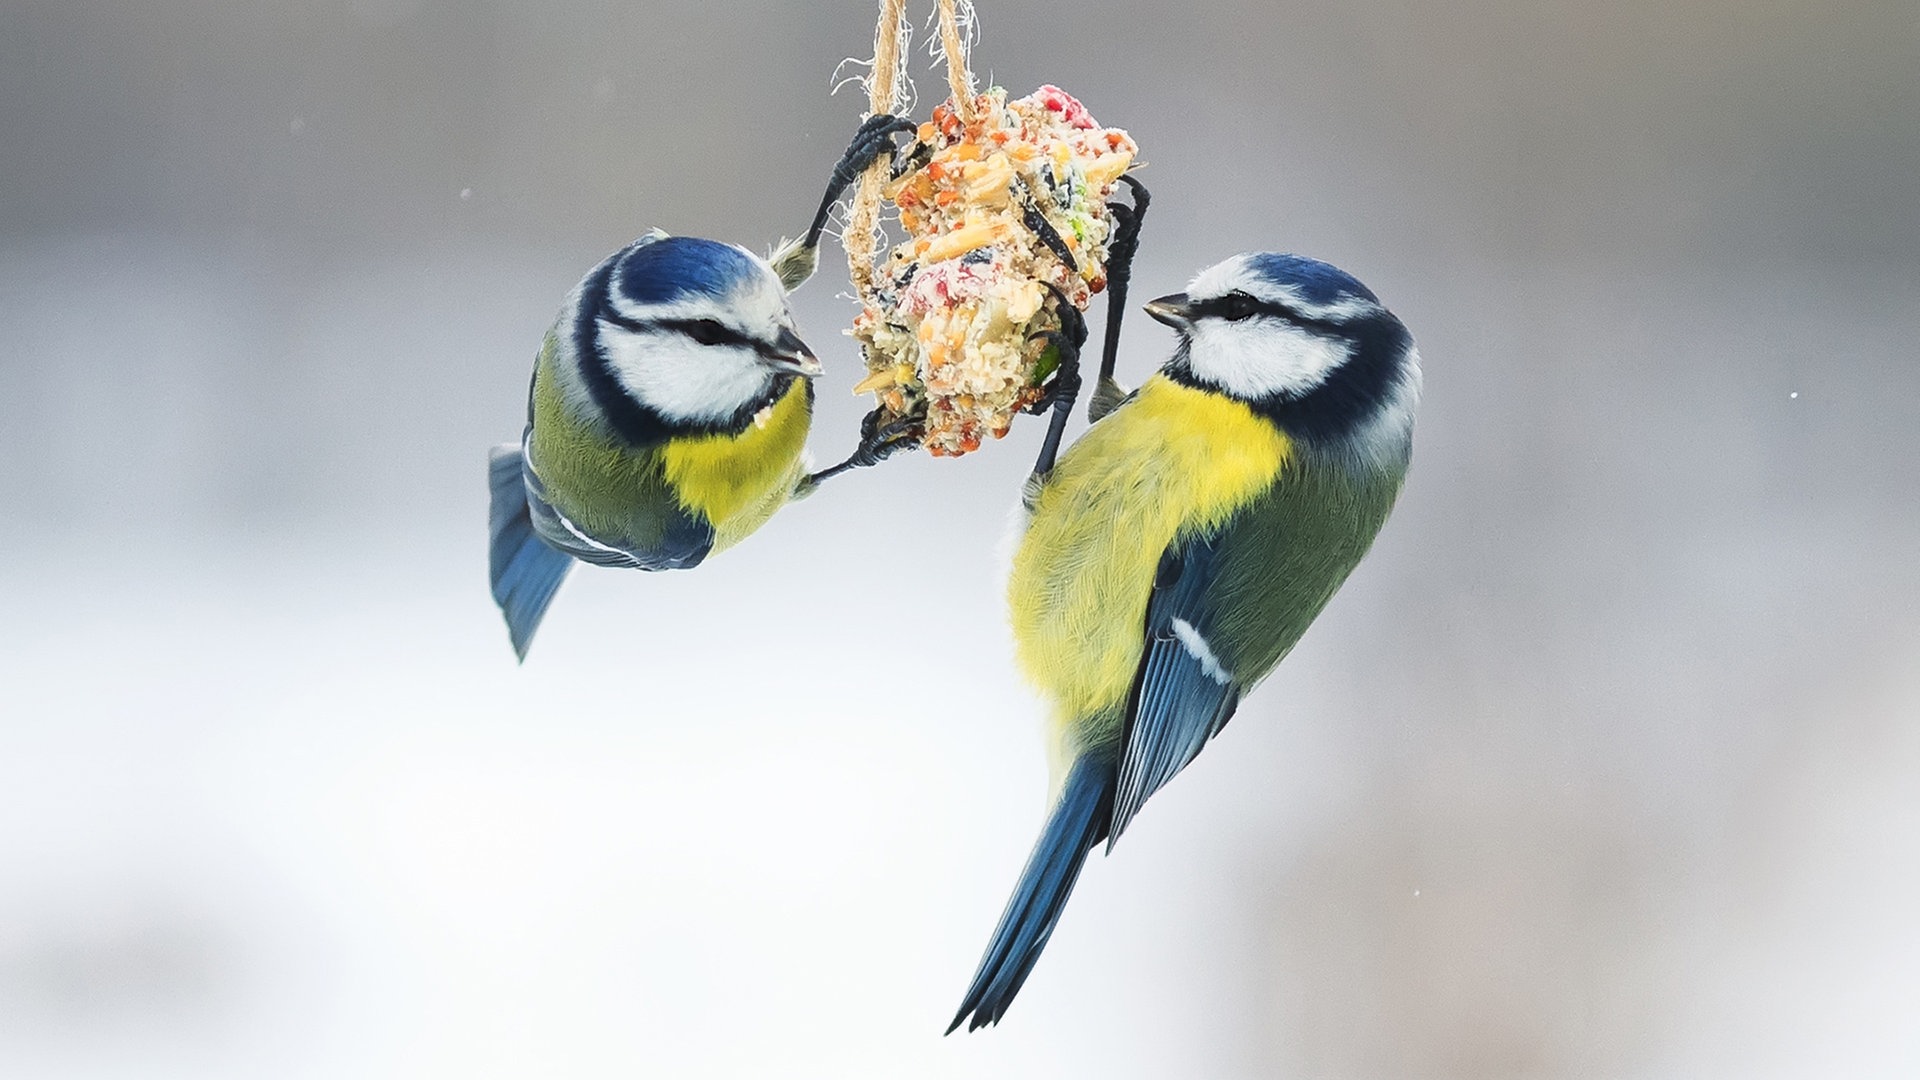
(1299, 341)
(698, 331)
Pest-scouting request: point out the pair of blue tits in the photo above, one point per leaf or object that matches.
(1169, 559)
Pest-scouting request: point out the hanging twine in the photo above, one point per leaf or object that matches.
(954, 45)
(861, 238)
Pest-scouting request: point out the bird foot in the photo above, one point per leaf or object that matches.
(873, 141)
(878, 442)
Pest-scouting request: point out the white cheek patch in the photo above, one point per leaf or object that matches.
(1263, 356)
(682, 379)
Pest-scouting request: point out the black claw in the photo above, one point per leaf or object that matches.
(876, 139)
(877, 444)
(1031, 216)
(1070, 336)
(1072, 323)
(916, 157)
(1064, 388)
(875, 122)
(1065, 382)
(1125, 232)
(873, 141)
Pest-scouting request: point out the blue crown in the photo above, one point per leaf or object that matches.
(1317, 282)
(675, 266)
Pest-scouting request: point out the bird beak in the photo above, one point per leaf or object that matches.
(789, 354)
(1173, 309)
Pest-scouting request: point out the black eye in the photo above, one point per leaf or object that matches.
(709, 332)
(1237, 305)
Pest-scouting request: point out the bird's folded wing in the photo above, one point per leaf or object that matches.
(1183, 694)
(678, 540)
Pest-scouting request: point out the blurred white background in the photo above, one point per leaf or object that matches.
(1604, 765)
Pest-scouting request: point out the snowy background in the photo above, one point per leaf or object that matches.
(1606, 764)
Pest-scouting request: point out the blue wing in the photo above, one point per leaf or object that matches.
(1183, 695)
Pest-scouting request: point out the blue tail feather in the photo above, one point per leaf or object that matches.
(525, 571)
(1079, 822)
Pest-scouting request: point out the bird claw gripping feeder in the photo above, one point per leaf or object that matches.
(1003, 205)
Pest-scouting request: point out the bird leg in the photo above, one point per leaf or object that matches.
(795, 261)
(872, 142)
(878, 442)
(1065, 387)
(1108, 394)
(1072, 326)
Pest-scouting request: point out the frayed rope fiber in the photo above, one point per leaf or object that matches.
(861, 238)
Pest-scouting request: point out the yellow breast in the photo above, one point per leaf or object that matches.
(1171, 462)
(738, 481)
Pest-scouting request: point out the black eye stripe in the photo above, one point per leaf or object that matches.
(708, 332)
(1233, 308)
(705, 331)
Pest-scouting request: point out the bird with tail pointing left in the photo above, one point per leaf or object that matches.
(669, 411)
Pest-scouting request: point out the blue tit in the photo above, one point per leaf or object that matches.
(1182, 546)
(669, 410)
(668, 413)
